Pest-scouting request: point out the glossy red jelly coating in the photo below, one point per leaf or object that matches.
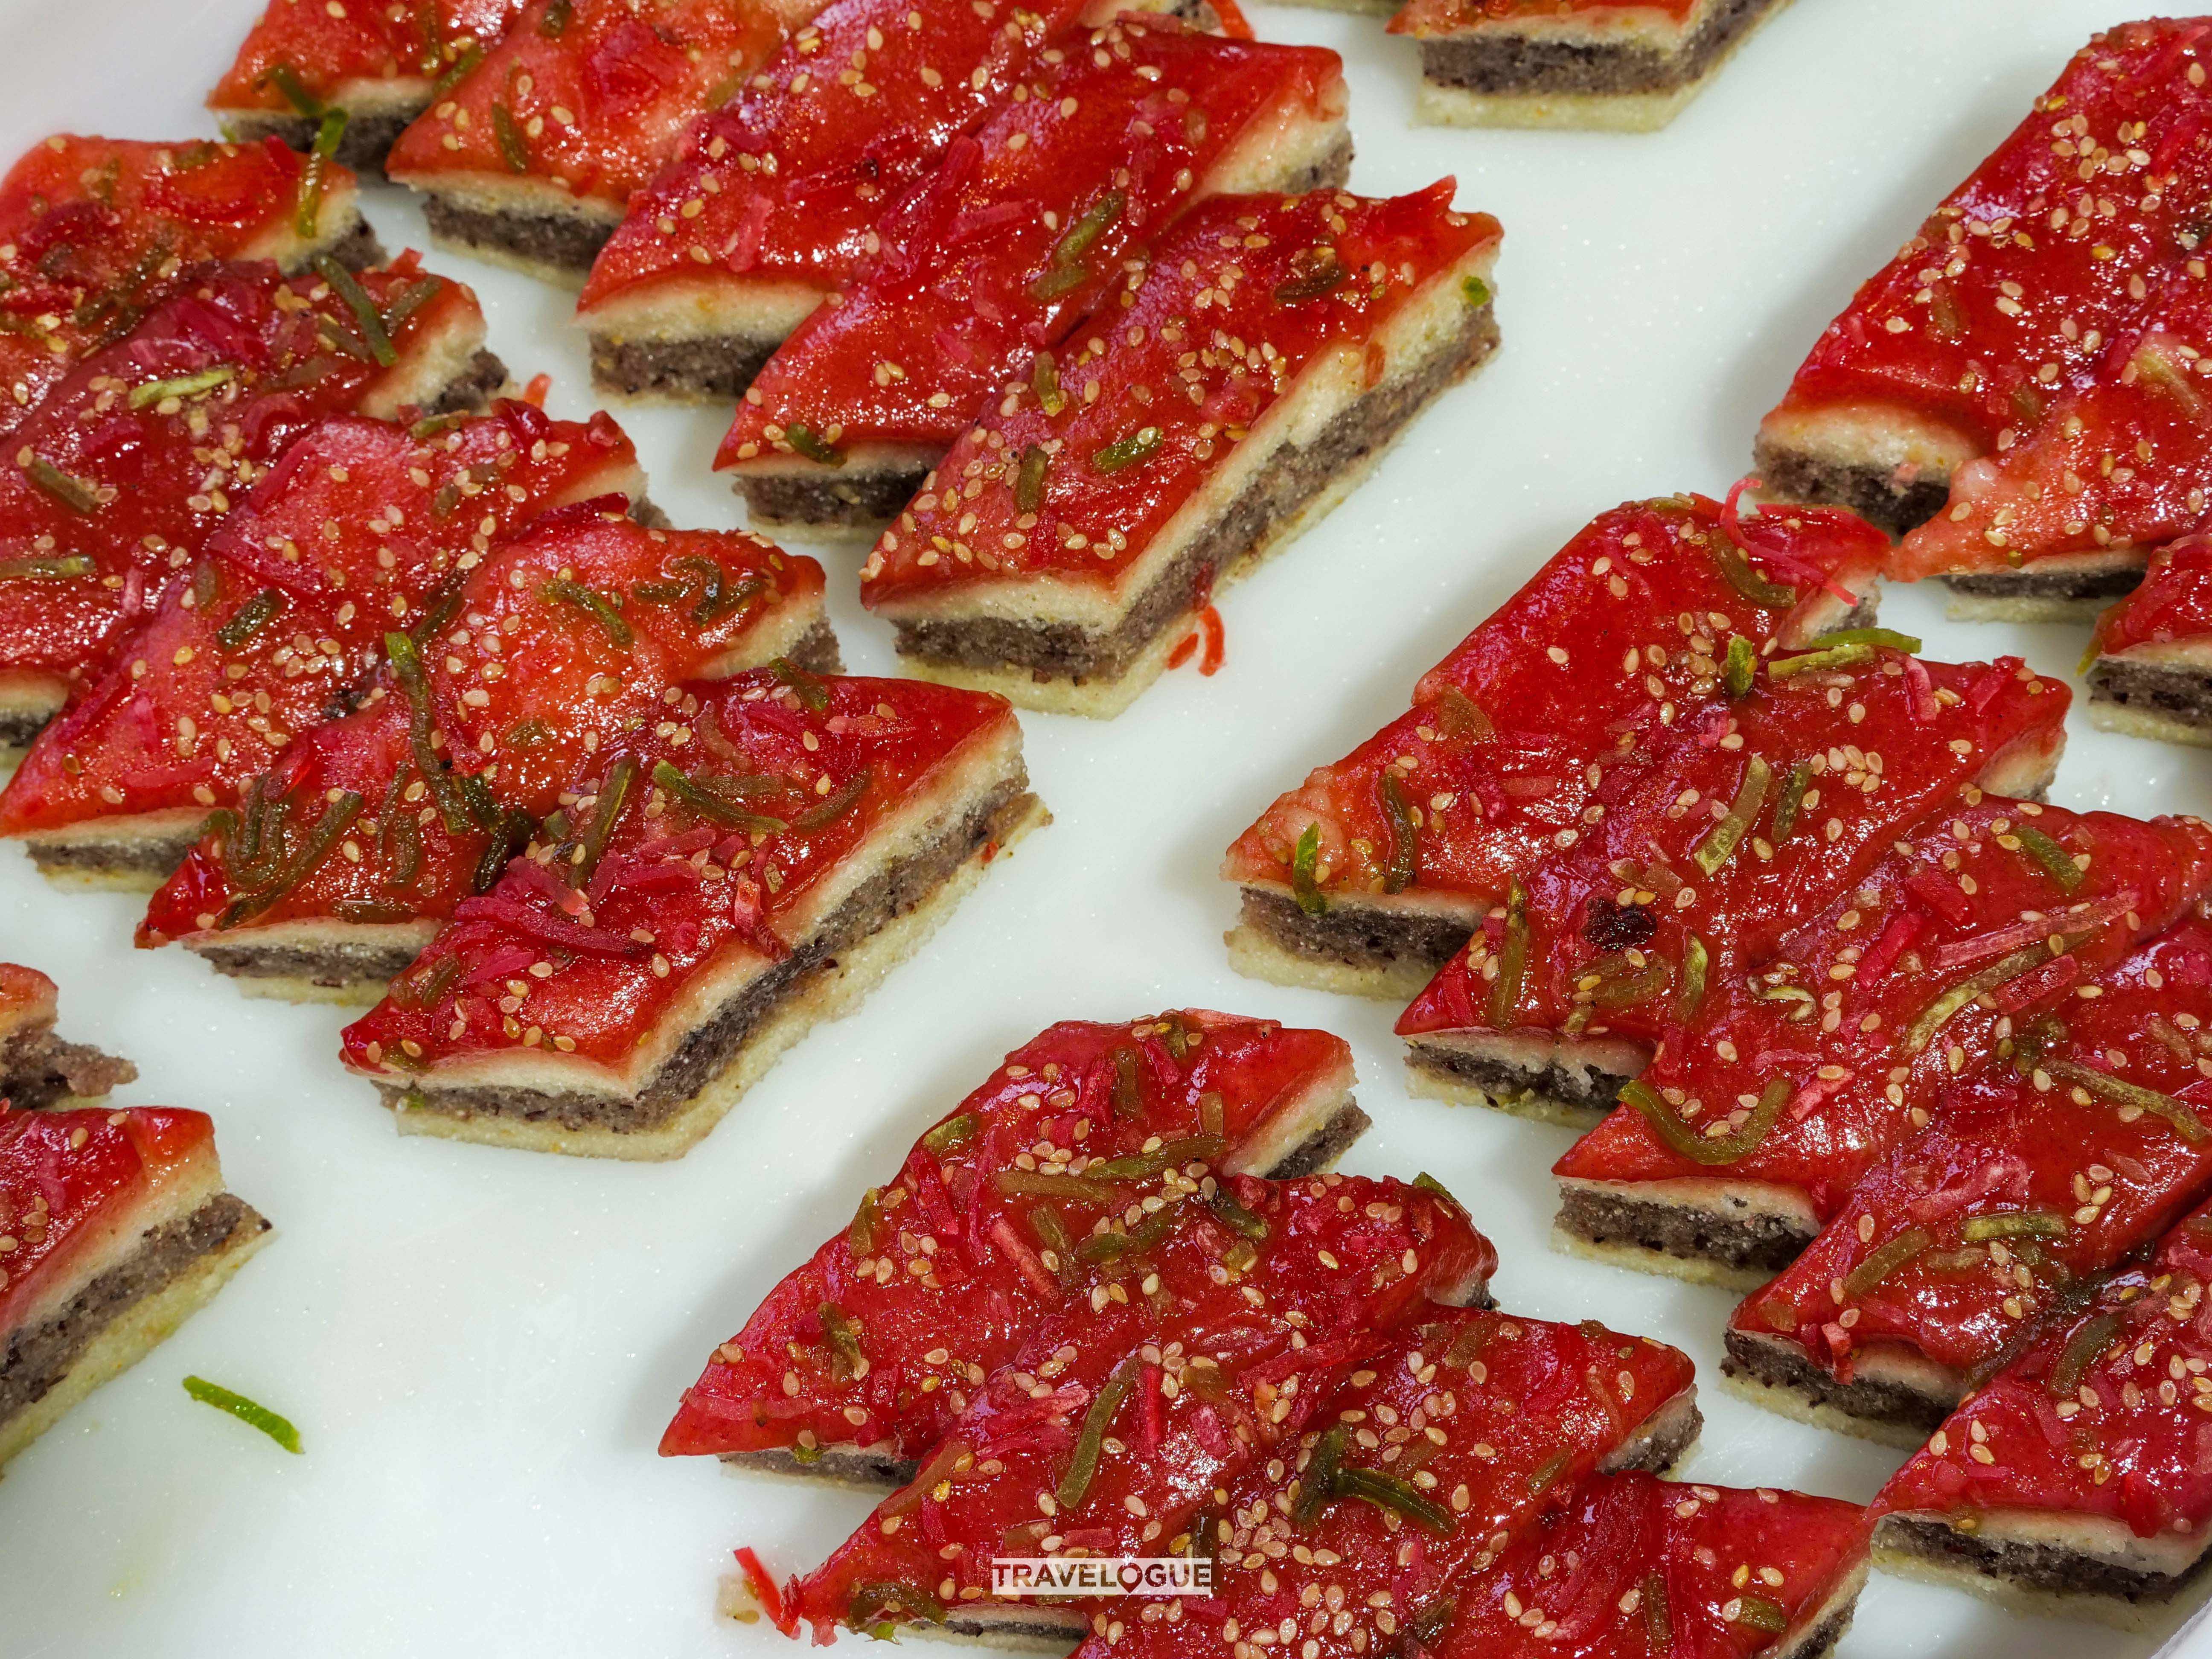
(1069, 479)
(2026, 1183)
(2099, 1416)
(1634, 1567)
(26, 997)
(1623, 630)
(1625, 929)
(677, 898)
(66, 1178)
(1212, 1347)
(340, 53)
(354, 529)
(527, 682)
(1492, 1417)
(106, 503)
(2173, 605)
(588, 96)
(1021, 234)
(1867, 1011)
(786, 181)
(1080, 1108)
(1426, 18)
(2018, 286)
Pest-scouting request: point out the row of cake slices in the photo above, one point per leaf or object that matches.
(1114, 1305)
(2020, 393)
(1674, 850)
(1114, 389)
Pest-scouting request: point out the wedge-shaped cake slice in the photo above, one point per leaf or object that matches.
(347, 79)
(2150, 672)
(339, 864)
(38, 1069)
(1617, 65)
(1750, 817)
(720, 883)
(1227, 1321)
(114, 1230)
(1024, 229)
(1448, 1440)
(1370, 875)
(1630, 1567)
(2014, 288)
(2074, 1481)
(363, 526)
(529, 160)
(112, 484)
(856, 1365)
(1274, 347)
(1747, 1132)
(2033, 1177)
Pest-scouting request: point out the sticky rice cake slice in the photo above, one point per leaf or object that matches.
(2150, 669)
(38, 1069)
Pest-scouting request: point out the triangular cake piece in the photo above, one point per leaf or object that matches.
(2150, 670)
(715, 885)
(1747, 1132)
(1026, 228)
(2032, 1178)
(855, 1366)
(363, 526)
(1371, 874)
(38, 1069)
(1072, 539)
(338, 862)
(1746, 819)
(114, 1230)
(1224, 1323)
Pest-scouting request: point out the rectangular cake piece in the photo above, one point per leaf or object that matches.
(363, 526)
(719, 883)
(2150, 668)
(117, 478)
(2032, 1178)
(530, 159)
(2014, 288)
(1206, 1343)
(1370, 875)
(38, 1069)
(114, 1230)
(1743, 823)
(1070, 540)
(995, 1203)
(1614, 65)
(338, 862)
(1026, 229)
(352, 76)
(2074, 1481)
(1755, 1119)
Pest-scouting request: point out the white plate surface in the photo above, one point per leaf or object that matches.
(480, 1347)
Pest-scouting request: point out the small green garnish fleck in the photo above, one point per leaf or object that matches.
(182, 387)
(805, 440)
(598, 606)
(1512, 957)
(1305, 860)
(1742, 667)
(1786, 804)
(1045, 379)
(1028, 481)
(366, 316)
(953, 1133)
(286, 79)
(513, 149)
(307, 210)
(807, 688)
(1405, 835)
(2014, 1224)
(1827, 657)
(74, 494)
(1889, 1258)
(245, 1411)
(47, 570)
(2057, 862)
(1127, 452)
(1721, 841)
(1477, 291)
(1091, 1442)
(2081, 1352)
(1084, 231)
(250, 618)
(463, 64)
(1314, 273)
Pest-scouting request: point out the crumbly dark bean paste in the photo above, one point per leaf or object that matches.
(1764, 1243)
(1879, 1400)
(1354, 935)
(2181, 694)
(1495, 61)
(566, 241)
(1587, 1088)
(38, 1069)
(369, 138)
(1875, 493)
(2048, 1567)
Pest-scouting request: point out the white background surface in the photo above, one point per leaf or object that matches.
(480, 1347)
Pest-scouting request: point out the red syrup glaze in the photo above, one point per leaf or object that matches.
(1425, 19)
(409, 49)
(28, 997)
(2173, 605)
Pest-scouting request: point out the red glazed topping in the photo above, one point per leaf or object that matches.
(2031, 1177)
(2099, 1416)
(1634, 1567)
(785, 183)
(587, 95)
(1018, 235)
(563, 643)
(113, 484)
(1071, 475)
(856, 1348)
(357, 526)
(2173, 605)
(1213, 1344)
(66, 1178)
(1833, 1055)
(1622, 631)
(329, 53)
(1425, 19)
(678, 892)
(26, 997)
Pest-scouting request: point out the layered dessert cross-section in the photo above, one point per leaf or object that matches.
(2150, 666)
(38, 1068)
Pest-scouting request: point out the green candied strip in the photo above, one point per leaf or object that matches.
(1032, 1184)
(513, 149)
(1085, 233)
(248, 1412)
(952, 1134)
(1305, 860)
(1128, 1087)
(869, 1607)
(372, 912)
(614, 793)
(286, 79)
(1324, 279)
(67, 566)
(463, 64)
(1091, 1442)
(1028, 478)
(74, 494)
(1701, 1149)
(1908, 643)
(1761, 1614)
(1512, 957)
(2004, 969)
(1623, 986)
(2055, 861)
(2014, 1224)
(1697, 964)
(509, 835)
(412, 299)
(2120, 1092)
(1788, 802)
(1317, 1481)
(814, 445)
(406, 660)
(1722, 840)
(2081, 1352)
(182, 387)
(366, 317)
(1735, 565)
(1839, 656)
(250, 618)
(307, 209)
(593, 604)
(1052, 1232)
(1742, 667)
(1889, 1258)
(1390, 1491)
(1547, 1473)
(1170, 1155)
(338, 817)
(1658, 1616)
(1405, 835)
(832, 807)
(809, 689)
(718, 596)
(1139, 1240)
(860, 1237)
(1044, 378)
(1475, 290)
(844, 1340)
(1239, 1220)
(1127, 452)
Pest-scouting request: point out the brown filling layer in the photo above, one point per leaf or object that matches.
(358, 249)
(1875, 493)
(38, 1069)
(36, 1359)
(566, 241)
(716, 366)
(1574, 1085)
(369, 138)
(1490, 60)
(473, 388)
(2050, 1568)
(1788, 1367)
(2029, 583)
(1354, 935)
(2176, 693)
(1763, 1243)
(1282, 489)
(332, 964)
